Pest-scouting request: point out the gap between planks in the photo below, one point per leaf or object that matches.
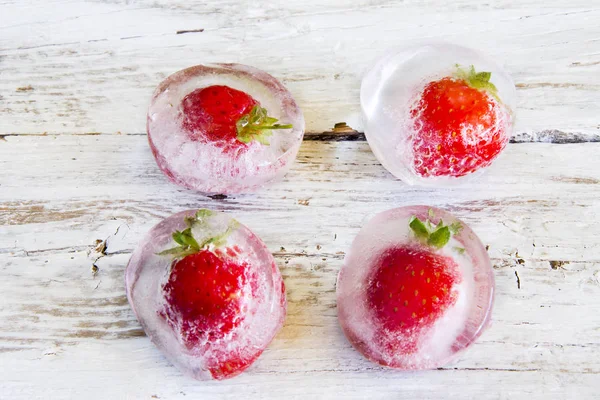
(553, 136)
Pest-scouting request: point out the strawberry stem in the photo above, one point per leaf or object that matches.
(276, 126)
(257, 125)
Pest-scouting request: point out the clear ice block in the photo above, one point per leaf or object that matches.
(205, 166)
(181, 333)
(390, 97)
(429, 343)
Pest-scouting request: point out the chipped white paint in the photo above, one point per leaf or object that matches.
(66, 330)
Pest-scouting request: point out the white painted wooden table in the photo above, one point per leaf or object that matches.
(78, 188)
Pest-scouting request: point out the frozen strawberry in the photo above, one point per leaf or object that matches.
(220, 295)
(412, 286)
(223, 128)
(204, 296)
(227, 116)
(205, 302)
(437, 114)
(410, 289)
(457, 127)
(233, 365)
(405, 292)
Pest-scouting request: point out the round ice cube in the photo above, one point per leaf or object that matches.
(196, 159)
(416, 288)
(207, 292)
(436, 113)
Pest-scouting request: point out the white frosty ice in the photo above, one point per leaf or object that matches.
(147, 272)
(391, 87)
(455, 329)
(205, 167)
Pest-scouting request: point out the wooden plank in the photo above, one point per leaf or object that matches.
(84, 67)
(79, 188)
(64, 321)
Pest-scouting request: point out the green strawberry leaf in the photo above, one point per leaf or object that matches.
(177, 252)
(483, 77)
(257, 125)
(178, 237)
(204, 213)
(200, 218)
(186, 238)
(270, 120)
(455, 228)
(188, 244)
(440, 237)
(430, 213)
(434, 235)
(460, 250)
(221, 239)
(478, 80)
(419, 228)
(171, 251)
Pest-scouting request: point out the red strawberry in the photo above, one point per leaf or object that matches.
(457, 124)
(234, 365)
(205, 294)
(411, 287)
(226, 116)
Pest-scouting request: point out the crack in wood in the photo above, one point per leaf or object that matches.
(189, 31)
(27, 88)
(353, 136)
(55, 135)
(41, 46)
(576, 180)
(536, 85)
(500, 263)
(553, 136)
(489, 369)
(328, 256)
(74, 249)
(17, 252)
(584, 64)
(441, 369)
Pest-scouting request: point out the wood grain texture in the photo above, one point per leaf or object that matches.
(90, 66)
(79, 188)
(69, 227)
